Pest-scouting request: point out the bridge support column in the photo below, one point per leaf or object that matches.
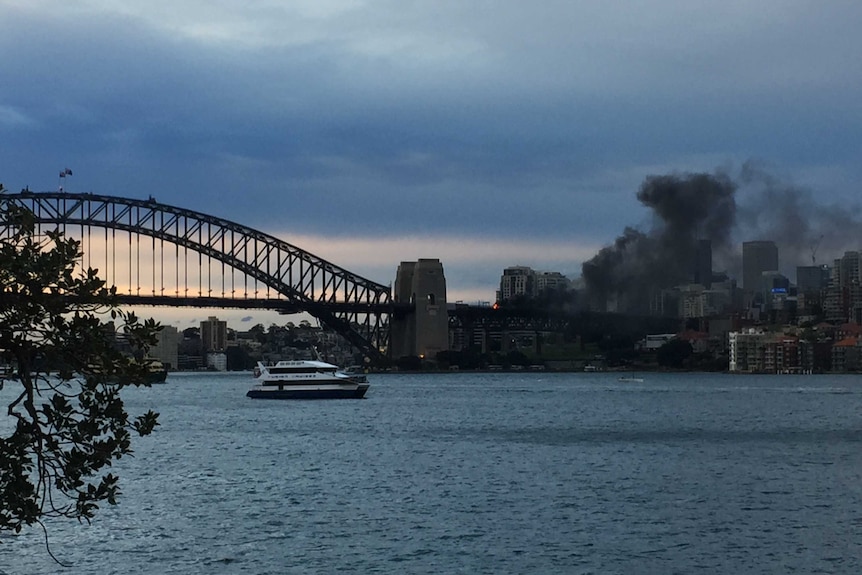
(424, 332)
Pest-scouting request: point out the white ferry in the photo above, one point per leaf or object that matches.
(306, 379)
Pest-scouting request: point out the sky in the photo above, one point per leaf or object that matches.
(485, 134)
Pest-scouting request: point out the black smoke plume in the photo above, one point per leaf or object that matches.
(806, 230)
(627, 275)
(686, 208)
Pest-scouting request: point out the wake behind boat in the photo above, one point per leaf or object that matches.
(306, 379)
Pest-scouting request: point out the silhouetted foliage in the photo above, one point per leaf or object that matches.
(65, 374)
(674, 353)
(516, 357)
(238, 359)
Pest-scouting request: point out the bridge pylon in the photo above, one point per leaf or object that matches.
(424, 330)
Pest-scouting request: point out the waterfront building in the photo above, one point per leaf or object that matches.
(653, 342)
(847, 355)
(213, 335)
(217, 361)
(745, 350)
(166, 349)
(755, 351)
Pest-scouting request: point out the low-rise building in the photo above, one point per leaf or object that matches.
(847, 355)
(746, 350)
(755, 351)
(653, 342)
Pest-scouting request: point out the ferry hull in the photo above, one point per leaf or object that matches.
(357, 392)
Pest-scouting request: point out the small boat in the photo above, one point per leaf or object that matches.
(306, 379)
(156, 372)
(626, 379)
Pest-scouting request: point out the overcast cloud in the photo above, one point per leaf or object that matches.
(484, 133)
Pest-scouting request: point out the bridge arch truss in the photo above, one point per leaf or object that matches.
(357, 308)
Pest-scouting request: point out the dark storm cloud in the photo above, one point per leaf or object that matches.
(448, 118)
(184, 124)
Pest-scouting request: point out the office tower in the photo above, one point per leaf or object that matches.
(757, 257)
(702, 272)
(812, 279)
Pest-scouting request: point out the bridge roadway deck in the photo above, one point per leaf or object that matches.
(458, 315)
(282, 306)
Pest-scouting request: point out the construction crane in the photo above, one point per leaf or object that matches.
(814, 247)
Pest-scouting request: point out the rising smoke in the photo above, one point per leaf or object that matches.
(802, 227)
(686, 208)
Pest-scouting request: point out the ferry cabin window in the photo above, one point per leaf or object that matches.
(293, 370)
(303, 370)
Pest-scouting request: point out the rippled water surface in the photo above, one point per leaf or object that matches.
(483, 473)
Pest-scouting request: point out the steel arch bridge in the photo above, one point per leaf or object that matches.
(357, 308)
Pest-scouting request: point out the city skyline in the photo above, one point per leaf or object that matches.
(483, 135)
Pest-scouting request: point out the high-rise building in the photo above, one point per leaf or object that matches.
(517, 281)
(702, 268)
(775, 289)
(166, 348)
(213, 334)
(849, 268)
(812, 279)
(757, 257)
(843, 299)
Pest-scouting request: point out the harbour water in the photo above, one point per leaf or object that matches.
(483, 473)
